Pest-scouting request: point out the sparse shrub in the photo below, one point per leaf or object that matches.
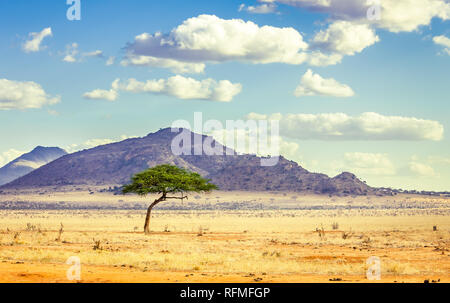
(271, 254)
(200, 232)
(97, 245)
(321, 232)
(346, 235)
(31, 227)
(60, 232)
(367, 241)
(276, 254)
(395, 268)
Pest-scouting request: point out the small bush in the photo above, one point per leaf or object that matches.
(97, 245)
(60, 232)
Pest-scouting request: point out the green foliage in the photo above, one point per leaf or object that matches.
(164, 179)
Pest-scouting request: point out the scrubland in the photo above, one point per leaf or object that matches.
(226, 237)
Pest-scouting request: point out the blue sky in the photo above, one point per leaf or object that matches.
(394, 66)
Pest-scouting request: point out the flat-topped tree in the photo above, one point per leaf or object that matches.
(166, 179)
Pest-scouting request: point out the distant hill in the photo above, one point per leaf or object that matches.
(29, 162)
(115, 163)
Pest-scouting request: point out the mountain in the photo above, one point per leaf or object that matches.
(115, 163)
(29, 162)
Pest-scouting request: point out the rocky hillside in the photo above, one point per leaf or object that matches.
(114, 164)
(29, 162)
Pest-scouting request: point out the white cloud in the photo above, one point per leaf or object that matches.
(443, 41)
(9, 155)
(421, 169)
(186, 88)
(32, 164)
(317, 58)
(71, 53)
(259, 9)
(23, 95)
(367, 126)
(409, 15)
(396, 15)
(439, 160)
(95, 54)
(369, 164)
(91, 143)
(344, 37)
(247, 142)
(34, 44)
(174, 65)
(176, 86)
(100, 94)
(52, 112)
(110, 60)
(313, 84)
(207, 38)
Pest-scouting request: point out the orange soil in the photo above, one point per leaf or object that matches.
(56, 273)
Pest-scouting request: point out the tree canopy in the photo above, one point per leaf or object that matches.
(164, 179)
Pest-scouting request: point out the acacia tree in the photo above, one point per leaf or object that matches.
(164, 180)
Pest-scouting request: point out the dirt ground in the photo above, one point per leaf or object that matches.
(55, 273)
(316, 239)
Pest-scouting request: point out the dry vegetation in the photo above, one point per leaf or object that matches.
(318, 239)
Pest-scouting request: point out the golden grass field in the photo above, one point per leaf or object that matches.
(228, 245)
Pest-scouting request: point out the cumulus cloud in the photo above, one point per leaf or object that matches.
(100, 94)
(34, 44)
(443, 41)
(409, 15)
(110, 61)
(174, 65)
(421, 169)
(369, 164)
(176, 86)
(244, 141)
(186, 88)
(266, 8)
(367, 126)
(91, 143)
(345, 38)
(396, 15)
(71, 53)
(313, 84)
(95, 54)
(439, 160)
(27, 163)
(9, 155)
(317, 58)
(208, 38)
(23, 95)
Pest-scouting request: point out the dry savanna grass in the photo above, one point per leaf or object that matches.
(303, 244)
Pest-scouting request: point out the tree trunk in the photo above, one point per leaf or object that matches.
(149, 213)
